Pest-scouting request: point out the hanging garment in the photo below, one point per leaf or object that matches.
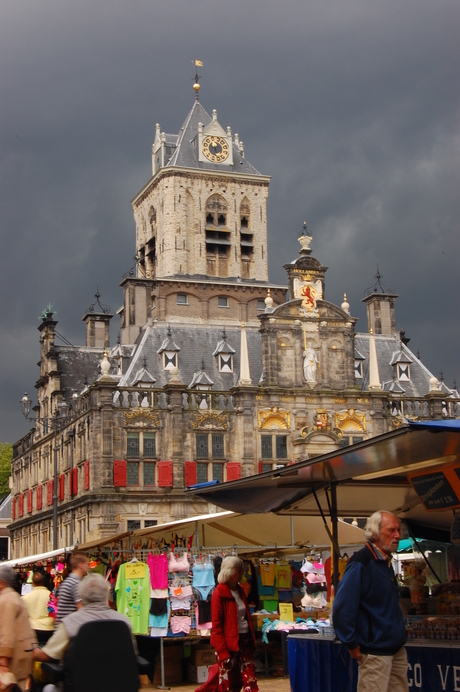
(133, 594)
(158, 565)
(267, 573)
(178, 565)
(180, 623)
(203, 578)
(158, 624)
(283, 576)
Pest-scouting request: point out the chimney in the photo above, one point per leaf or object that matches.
(380, 303)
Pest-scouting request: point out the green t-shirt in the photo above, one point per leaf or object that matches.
(133, 595)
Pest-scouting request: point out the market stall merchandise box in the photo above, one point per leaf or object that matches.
(203, 655)
(197, 673)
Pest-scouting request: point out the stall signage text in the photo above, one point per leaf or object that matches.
(438, 489)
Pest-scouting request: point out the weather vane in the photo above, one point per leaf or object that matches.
(196, 81)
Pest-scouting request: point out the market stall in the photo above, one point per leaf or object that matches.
(413, 472)
(272, 545)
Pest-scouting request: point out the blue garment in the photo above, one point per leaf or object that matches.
(159, 620)
(366, 610)
(203, 579)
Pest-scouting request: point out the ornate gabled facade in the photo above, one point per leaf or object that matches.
(216, 374)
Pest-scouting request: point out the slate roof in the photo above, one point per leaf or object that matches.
(5, 508)
(79, 366)
(196, 343)
(386, 347)
(186, 147)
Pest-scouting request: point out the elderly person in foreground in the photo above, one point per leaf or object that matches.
(366, 614)
(232, 632)
(16, 636)
(94, 592)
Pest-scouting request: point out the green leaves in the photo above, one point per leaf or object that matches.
(6, 455)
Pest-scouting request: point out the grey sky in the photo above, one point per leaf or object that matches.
(351, 106)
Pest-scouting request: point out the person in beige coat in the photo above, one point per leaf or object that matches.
(16, 637)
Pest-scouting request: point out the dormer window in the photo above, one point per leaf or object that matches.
(169, 352)
(169, 360)
(403, 370)
(359, 369)
(224, 353)
(225, 362)
(401, 361)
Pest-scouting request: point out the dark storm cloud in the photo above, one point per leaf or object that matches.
(351, 106)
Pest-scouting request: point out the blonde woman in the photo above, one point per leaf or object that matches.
(232, 631)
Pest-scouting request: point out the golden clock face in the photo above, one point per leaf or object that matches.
(215, 149)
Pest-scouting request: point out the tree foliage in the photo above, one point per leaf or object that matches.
(6, 455)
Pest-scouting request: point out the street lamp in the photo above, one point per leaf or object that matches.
(62, 417)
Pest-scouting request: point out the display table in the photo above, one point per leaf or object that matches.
(317, 664)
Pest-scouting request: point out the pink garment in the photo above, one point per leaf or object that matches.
(158, 566)
(178, 565)
(180, 623)
(180, 591)
(315, 578)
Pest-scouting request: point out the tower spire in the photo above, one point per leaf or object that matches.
(196, 82)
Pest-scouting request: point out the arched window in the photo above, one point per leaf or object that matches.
(216, 211)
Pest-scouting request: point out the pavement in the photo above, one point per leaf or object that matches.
(269, 684)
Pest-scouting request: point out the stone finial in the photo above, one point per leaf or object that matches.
(105, 366)
(174, 375)
(229, 132)
(237, 139)
(345, 305)
(434, 384)
(163, 137)
(157, 130)
(214, 114)
(200, 128)
(268, 300)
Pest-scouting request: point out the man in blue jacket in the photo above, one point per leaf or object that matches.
(367, 616)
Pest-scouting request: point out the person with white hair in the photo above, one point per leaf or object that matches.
(367, 616)
(232, 633)
(16, 636)
(94, 593)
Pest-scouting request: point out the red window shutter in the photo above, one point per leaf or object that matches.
(190, 473)
(38, 497)
(13, 508)
(120, 473)
(62, 486)
(75, 481)
(233, 470)
(165, 474)
(86, 475)
(260, 467)
(70, 484)
(21, 505)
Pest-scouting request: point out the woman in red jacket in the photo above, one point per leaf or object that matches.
(232, 632)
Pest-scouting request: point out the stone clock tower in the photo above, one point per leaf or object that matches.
(201, 220)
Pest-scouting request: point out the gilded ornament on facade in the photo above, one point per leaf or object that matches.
(396, 423)
(350, 421)
(210, 420)
(274, 418)
(141, 419)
